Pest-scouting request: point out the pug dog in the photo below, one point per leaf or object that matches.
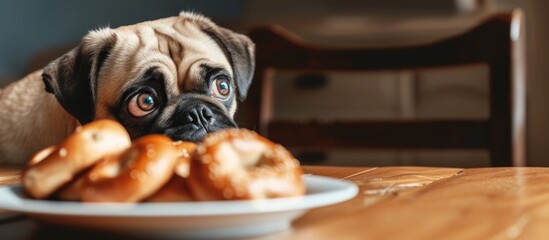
(179, 76)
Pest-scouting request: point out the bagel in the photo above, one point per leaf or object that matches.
(41, 155)
(177, 189)
(238, 164)
(54, 167)
(133, 175)
(186, 149)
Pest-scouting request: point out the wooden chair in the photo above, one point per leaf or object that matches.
(497, 42)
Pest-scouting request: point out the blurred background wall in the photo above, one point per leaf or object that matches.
(29, 27)
(35, 32)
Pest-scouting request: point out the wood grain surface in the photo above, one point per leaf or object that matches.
(433, 203)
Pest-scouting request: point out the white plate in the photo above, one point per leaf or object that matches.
(184, 219)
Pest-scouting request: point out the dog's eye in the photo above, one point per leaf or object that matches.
(221, 88)
(142, 104)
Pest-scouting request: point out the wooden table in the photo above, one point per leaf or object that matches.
(396, 203)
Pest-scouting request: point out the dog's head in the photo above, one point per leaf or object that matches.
(180, 76)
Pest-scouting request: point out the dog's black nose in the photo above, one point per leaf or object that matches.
(200, 115)
(195, 118)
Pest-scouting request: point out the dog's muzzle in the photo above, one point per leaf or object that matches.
(194, 118)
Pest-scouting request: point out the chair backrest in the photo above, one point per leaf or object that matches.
(497, 42)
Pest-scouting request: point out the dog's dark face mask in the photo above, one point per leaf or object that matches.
(147, 106)
(153, 101)
(194, 118)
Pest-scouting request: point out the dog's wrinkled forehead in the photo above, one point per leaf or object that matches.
(175, 46)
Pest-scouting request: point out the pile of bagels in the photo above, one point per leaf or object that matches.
(100, 163)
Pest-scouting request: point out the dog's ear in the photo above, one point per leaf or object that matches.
(72, 78)
(240, 51)
(238, 48)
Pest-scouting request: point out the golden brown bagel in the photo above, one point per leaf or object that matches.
(240, 164)
(41, 155)
(53, 167)
(186, 149)
(177, 188)
(134, 174)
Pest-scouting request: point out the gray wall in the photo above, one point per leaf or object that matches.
(29, 26)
